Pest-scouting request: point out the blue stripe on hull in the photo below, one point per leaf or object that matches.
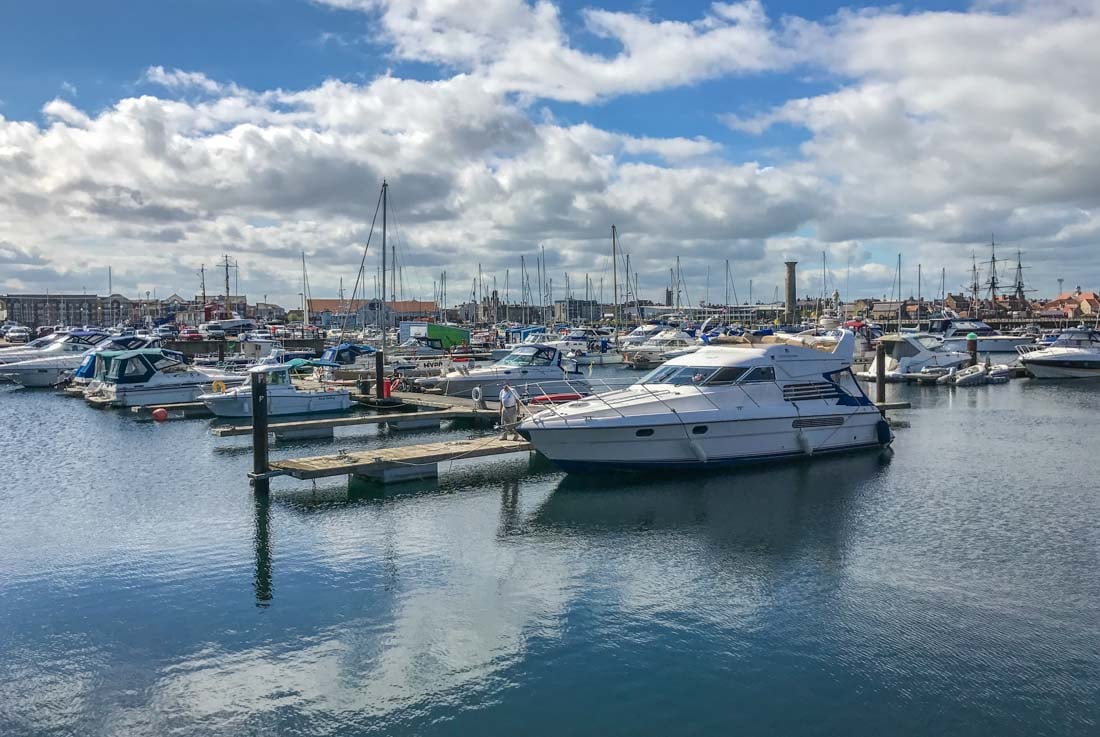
(711, 464)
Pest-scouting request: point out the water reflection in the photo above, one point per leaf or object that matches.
(262, 544)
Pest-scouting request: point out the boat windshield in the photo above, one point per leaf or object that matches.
(529, 356)
(930, 342)
(1076, 339)
(694, 375)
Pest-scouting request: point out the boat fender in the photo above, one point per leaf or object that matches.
(218, 387)
(882, 430)
(697, 449)
(475, 394)
(804, 444)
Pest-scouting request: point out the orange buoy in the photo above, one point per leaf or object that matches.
(160, 414)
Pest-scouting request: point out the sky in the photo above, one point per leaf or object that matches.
(153, 138)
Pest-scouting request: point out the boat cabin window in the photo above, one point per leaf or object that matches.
(901, 349)
(726, 375)
(930, 342)
(133, 367)
(678, 375)
(759, 374)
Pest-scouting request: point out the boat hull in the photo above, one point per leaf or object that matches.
(308, 403)
(463, 386)
(39, 377)
(724, 443)
(1068, 369)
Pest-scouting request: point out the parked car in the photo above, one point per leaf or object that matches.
(44, 331)
(167, 332)
(18, 335)
(189, 334)
(213, 334)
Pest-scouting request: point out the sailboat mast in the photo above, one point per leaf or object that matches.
(382, 311)
(615, 275)
(226, 256)
(900, 300)
(305, 313)
(726, 290)
(919, 300)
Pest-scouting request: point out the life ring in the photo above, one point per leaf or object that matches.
(475, 394)
(218, 387)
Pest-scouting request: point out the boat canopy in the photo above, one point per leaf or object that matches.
(138, 366)
(531, 355)
(296, 363)
(345, 353)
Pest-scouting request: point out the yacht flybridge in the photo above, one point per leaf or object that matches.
(727, 403)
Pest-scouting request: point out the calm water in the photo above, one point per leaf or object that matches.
(951, 587)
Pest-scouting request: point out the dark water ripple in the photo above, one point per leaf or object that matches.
(947, 588)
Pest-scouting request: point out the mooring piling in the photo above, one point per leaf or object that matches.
(880, 373)
(379, 368)
(260, 481)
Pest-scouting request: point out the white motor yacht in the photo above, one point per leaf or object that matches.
(911, 353)
(531, 369)
(954, 330)
(153, 376)
(588, 346)
(77, 341)
(283, 397)
(727, 403)
(55, 367)
(1074, 354)
(641, 334)
(651, 353)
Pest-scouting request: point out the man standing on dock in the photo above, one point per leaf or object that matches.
(509, 409)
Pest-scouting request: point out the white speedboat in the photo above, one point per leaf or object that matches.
(1074, 354)
(531, 369)
(283, 397)
(912, 353)
(954, 330)
(641, 334)
(725, 404)
(588, 347)
(651, 353)
(56, 367)
(153, 376)
(77, 342)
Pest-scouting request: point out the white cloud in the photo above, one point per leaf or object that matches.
(522, 47)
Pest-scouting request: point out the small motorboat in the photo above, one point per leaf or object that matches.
(283, 396)
(150, 376)
(533, 369)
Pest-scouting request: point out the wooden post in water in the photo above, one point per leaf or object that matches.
(972, 348)
(379, 368)
(260, 483)
(880, 373)
(221, 351)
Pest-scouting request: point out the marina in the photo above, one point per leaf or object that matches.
(376, 368)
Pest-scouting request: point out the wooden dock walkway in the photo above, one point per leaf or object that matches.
(397, 418)
(395, 464)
